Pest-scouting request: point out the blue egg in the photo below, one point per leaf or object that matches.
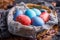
(17, 13)
(37, 21)
(42, 10)
(37, 11)
(30, 13)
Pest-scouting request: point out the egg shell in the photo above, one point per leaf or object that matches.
(30, 13)
(17, 13)
(37, 11)
(23, 19)
(43, 10)
(37, 21)
(45, 16)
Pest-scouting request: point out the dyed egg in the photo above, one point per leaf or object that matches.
(17, 13)
(43, 10)
(45, 16)
(37, 11)
(23, 19)
(30, 13)
(37, 21)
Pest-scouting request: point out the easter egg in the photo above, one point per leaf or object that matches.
(37, 11)
(30, 13)
(17, 13)
(45, 16)
(23, 19)
(43, 10)
(37, 21)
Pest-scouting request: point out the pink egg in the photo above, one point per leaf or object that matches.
(45, 16)
(23, 19)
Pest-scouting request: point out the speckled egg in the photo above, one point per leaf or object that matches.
(37, 21)
(45, 16)
(17, 13)
(30, 13)
(23, 19)
(37, 11)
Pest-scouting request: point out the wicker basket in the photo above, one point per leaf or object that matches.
(17, 28)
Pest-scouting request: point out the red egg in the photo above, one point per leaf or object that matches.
(45, 16)
(23, 19)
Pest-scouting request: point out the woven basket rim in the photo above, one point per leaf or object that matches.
(13, 8)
